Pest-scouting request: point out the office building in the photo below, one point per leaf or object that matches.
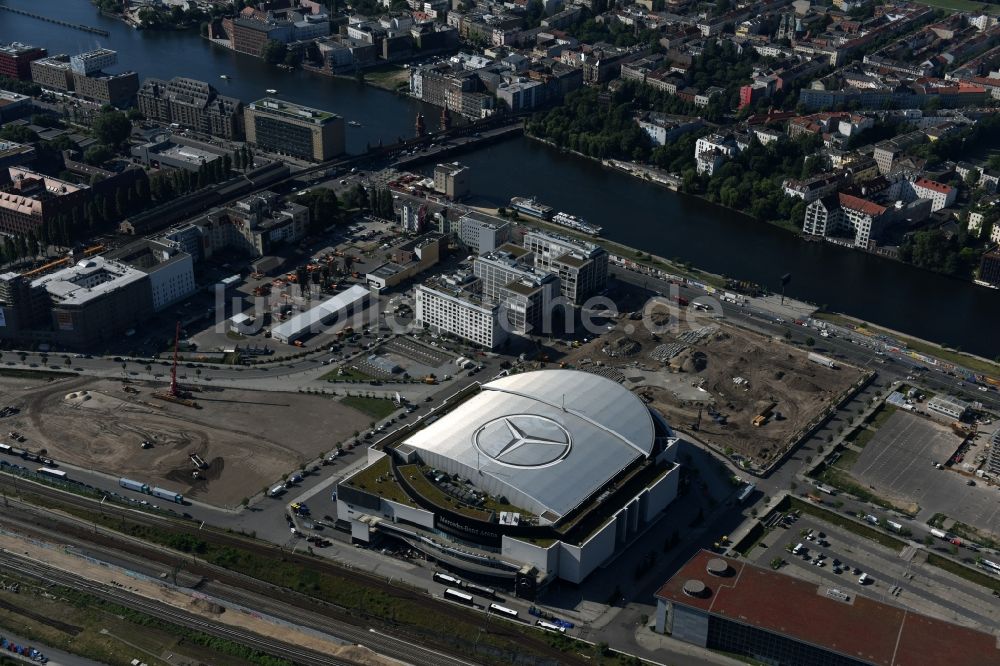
(731, 606)
(508, 276)
(114, 89)
(193, 104)
(482, 234)
(281, 127)
(90, 62)
(566, 509)
(454, 304)
(16, 58)
(31, 199)
(53, 72)
(95, 300)
(452, 180)
(179, 152)
(84, 75)
(582, 267)
(14, 154)
(170, 270)
(941, 195)
(14, 105)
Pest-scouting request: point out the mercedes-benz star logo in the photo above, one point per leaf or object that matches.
(523, 440)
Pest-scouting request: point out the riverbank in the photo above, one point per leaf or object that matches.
(665, 179)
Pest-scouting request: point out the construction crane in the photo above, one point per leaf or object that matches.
(174, 393)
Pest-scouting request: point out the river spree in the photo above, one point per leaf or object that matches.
(631, 211)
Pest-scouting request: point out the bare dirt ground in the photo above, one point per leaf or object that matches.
(700, 378)
(248, 438)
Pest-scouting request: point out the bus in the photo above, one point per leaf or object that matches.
(550, 627)
(460, 597)
(481, 590)
(503, 610)
(445, 579)
(54, 473)
(746, 493)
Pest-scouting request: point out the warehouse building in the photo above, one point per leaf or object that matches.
(340, 309)
(530, 478)
(729, 605)
(948, 406)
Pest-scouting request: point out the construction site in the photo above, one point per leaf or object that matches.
(747, 395)
(216, 445)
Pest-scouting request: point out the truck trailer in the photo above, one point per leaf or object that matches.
(167, 495)
(137, 486)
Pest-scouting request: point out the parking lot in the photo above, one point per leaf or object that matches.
(899, 463)
(892, 577)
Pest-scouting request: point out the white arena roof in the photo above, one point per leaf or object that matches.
(546, 440)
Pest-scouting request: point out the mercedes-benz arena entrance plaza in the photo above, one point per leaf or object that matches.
(533, 476)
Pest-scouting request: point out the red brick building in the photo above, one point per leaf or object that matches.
(15, 60)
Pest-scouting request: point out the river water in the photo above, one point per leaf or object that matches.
(632, 212)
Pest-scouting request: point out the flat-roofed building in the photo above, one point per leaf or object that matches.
(179, 152)
(729, 605)
(509, 277)
(407, 260)
(95, 300)
(347, 306)
(88, 62)
(14, 154)
(16, 58)
(582, 267)
(170, 269)
(454, 304)
(14, 105)
(290, 129)
(452, 180)
(481, 233)
(114, 89)
(948, 406)
(53, 72)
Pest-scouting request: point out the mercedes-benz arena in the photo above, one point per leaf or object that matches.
(543, 474)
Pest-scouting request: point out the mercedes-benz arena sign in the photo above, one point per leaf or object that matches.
(523, 440)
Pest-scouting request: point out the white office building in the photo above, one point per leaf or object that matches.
(482, 234)
(452, 304)
(582, 267)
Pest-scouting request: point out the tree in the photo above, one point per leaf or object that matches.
(274, 52)
(293, 58)
(810, 341)
(112, 128)
(97, 154)
(18, 134)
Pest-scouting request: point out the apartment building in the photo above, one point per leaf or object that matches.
(582, 267)
(941, 195)
(841, 214)
(712, 151)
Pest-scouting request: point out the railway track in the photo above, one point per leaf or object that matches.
(44, 573)
(241, 589)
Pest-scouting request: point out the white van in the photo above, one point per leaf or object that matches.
(863, 579)
(277, 491)
(797, 549)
